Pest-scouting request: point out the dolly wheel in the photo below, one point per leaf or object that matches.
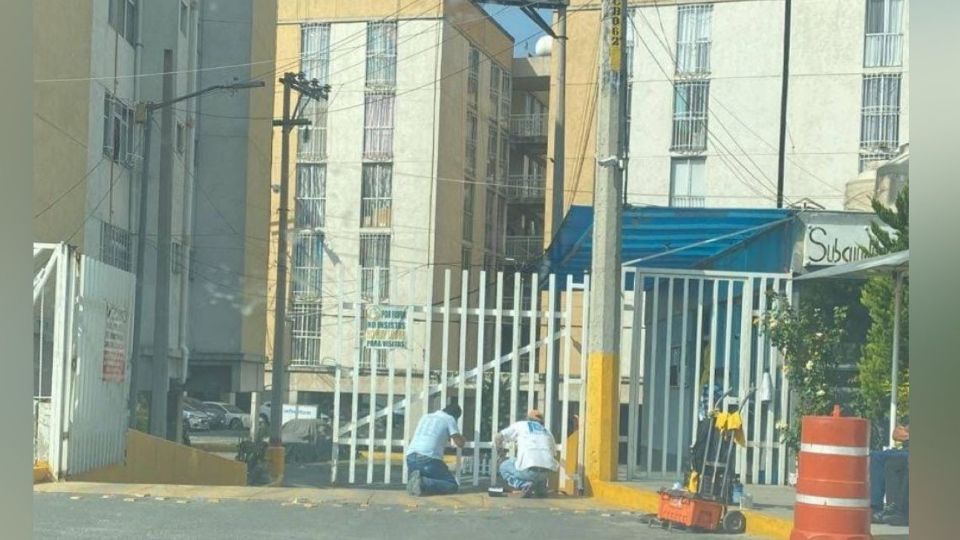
(734, 522)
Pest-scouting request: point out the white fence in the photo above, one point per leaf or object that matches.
(462, 339)
(83, 317)
(698, 329)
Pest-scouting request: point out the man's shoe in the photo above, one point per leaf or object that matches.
(897, 519)
(414, 484)
(540, 489)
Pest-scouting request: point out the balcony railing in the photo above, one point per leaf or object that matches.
(523, 248)
(688, 201)
(525, 187)
(528, 125)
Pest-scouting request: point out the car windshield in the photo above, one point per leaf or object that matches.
(233, 409)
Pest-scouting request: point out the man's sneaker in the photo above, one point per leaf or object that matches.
(528, 490)
(540, 489)
(414, 484)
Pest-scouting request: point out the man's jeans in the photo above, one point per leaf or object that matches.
(435, 477)
(518, 479)
(878, 487)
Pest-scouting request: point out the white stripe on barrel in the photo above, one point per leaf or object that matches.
(833, 450)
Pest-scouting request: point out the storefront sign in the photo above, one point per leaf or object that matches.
(829, 245)
(385, 327)
(293, 412)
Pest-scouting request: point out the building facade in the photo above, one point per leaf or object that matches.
(705, 92)
(96, 63)
(400, 175)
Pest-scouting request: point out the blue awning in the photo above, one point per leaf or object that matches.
(661, 237)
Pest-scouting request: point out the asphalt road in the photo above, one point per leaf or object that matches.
(60, 515)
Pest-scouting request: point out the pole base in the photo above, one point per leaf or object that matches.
(275, 463)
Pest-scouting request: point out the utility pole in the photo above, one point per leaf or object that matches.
(145, 115)
(785, 84)
(312, 89)
(603, 370)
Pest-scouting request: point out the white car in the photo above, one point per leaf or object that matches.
(235, 417)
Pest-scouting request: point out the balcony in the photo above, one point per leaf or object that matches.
(525, 188)
(523, 248)
(529, 127)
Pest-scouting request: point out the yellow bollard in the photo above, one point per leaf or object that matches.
(275, 463)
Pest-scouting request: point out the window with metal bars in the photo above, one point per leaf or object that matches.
(312, 138)
(505, 99)
(381, 54)
(503, 160)
(118, 127)
(376, 195)
(375, 266)
(470, 161)
(693, 39)
(495, 81)
(868, 157)
(688, 182)
(306, 285)
(122, 16)
(883, 40)
(311, 195)
(305, 334)
(473, 76)
(115, 246)
(690, 116)
(315, 51)
(176, 258)
(493, 147)
(378, 126)
(880, 121)
(490, 221)
(469, 190)
(465, 256)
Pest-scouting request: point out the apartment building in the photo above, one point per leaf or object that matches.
(705, 93)
(95, 62)
(400, 175)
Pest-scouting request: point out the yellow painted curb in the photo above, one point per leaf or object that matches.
(634, 498)
(41, 472)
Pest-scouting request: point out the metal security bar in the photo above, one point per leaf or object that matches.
(693, 39)
(883, 39)
(690, 116)
(880, 123)
(529, 125)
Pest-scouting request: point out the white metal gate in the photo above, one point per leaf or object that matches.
(486, 327)
(698, 331)
(83, 316)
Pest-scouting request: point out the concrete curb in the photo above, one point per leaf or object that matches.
(41, 473)
(633, 498)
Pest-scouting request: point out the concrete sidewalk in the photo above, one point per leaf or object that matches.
(771, 515)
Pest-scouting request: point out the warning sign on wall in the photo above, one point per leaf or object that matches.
(385, 327)
(115, 345)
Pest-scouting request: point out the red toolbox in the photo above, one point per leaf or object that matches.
(685, 509)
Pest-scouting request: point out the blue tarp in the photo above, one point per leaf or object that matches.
(655, 235)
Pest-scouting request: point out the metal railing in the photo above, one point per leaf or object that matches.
(688, 201)
(525, 187)
(528, 125)
(523, 248)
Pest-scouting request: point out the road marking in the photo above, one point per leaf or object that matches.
(74, 498)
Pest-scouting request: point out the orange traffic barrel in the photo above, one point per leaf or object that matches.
(833, 482)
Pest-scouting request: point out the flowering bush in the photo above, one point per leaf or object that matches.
(811, 340)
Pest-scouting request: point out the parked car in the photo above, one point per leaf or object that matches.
(196, 419)
(234, 417)
(216, 416)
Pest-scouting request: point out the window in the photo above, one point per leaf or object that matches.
(693, 39)
(470, 162)
(381, 54)
(115, 243)
(375, 201)
(305, 334)
(311, 195)
(184, 16)
(473, 76)
(176, 258)
(883, 43)
(312, 139)
(375, 266)
(495, 82)
(490, 221)
(181, 142)
(469, 190)
(690, 116)
(378, 126)
(688, 182)
(315, 51)
(880, 123)
(122, 17)
(505, 98)
(493, 147)
(117, 130)
(504, 157)
(465, 258)
(307, 267)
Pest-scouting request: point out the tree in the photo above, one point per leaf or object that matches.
(891, 235)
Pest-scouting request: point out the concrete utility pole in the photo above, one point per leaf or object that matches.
(159, 416)
(603, 370)
(312, 89)
(785, 84)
